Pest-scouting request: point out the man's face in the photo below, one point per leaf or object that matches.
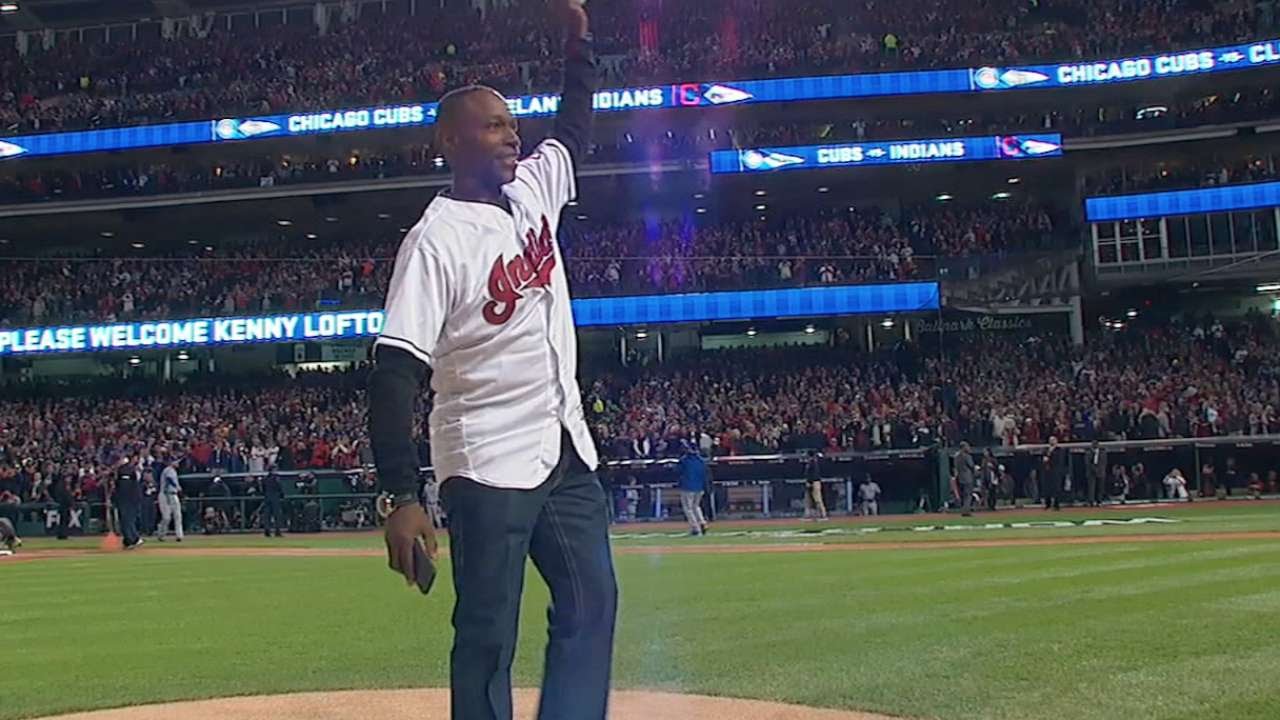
(481, 139)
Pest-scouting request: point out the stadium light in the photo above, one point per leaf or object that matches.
(106, 234)
(1131, 314)
(944, 197)
(701, 211)
(183, 356)
(331, 219)
(384, 216)
(762, 207)
(761, 193)
(8, 7)
(751, 332)
(312, 236)
(1269, 287)
(642, 334)
(284, 223)
(1001, 196)
(824, 189)
(809, 330)
(1014, 180)
(137, 245)
(886, 323)
(193, 242)
(135, 360)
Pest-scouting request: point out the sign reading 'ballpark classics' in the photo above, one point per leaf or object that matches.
(676, 95)
(827, 300)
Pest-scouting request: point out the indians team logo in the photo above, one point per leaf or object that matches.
(531, 269)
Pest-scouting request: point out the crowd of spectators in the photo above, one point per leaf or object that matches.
(83, 431)
(361, 57)
(270, 277)
(1197, 378)
(1165, 379)
(605, 259)
(1188, 174)
(56, 180)
(836, 247)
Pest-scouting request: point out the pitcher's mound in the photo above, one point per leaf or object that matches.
(433, 704)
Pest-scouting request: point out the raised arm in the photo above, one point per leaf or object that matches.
(581, 77)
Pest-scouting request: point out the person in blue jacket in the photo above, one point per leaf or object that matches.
(694, 477)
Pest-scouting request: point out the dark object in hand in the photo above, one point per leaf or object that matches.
(424, 570)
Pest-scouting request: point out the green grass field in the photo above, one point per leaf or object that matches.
(1134, 630)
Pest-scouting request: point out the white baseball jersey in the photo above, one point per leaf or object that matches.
(480, 295)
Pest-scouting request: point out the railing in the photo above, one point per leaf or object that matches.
(210, 515)
(759, 486)
(1245, 453)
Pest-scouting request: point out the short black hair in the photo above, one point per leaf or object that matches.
(452, 101)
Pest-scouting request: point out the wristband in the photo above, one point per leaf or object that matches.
(388, 503)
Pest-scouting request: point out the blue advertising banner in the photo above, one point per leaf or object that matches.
(758, 304)
(679, 95)
(1183, 202)
(315, 327)
(810, 157)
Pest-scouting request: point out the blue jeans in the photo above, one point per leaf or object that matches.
(563, 526)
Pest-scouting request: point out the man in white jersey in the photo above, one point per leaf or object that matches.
(479, 301)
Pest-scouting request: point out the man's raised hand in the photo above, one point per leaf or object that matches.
(574, 16)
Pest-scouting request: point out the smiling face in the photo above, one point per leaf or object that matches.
(479, 136)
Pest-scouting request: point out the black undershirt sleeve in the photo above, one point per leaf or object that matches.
(581, 78)
(394, 385)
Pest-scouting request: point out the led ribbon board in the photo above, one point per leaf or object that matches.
(678, 95)
(317, 327)
(811, 157)
(1183, 202)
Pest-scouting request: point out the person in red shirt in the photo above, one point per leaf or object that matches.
(320, 453)
(201, 453)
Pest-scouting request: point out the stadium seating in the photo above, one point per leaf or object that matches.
(212, 71)
(1191, 378)
(605, 260)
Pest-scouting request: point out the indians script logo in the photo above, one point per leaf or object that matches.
(531, 269)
